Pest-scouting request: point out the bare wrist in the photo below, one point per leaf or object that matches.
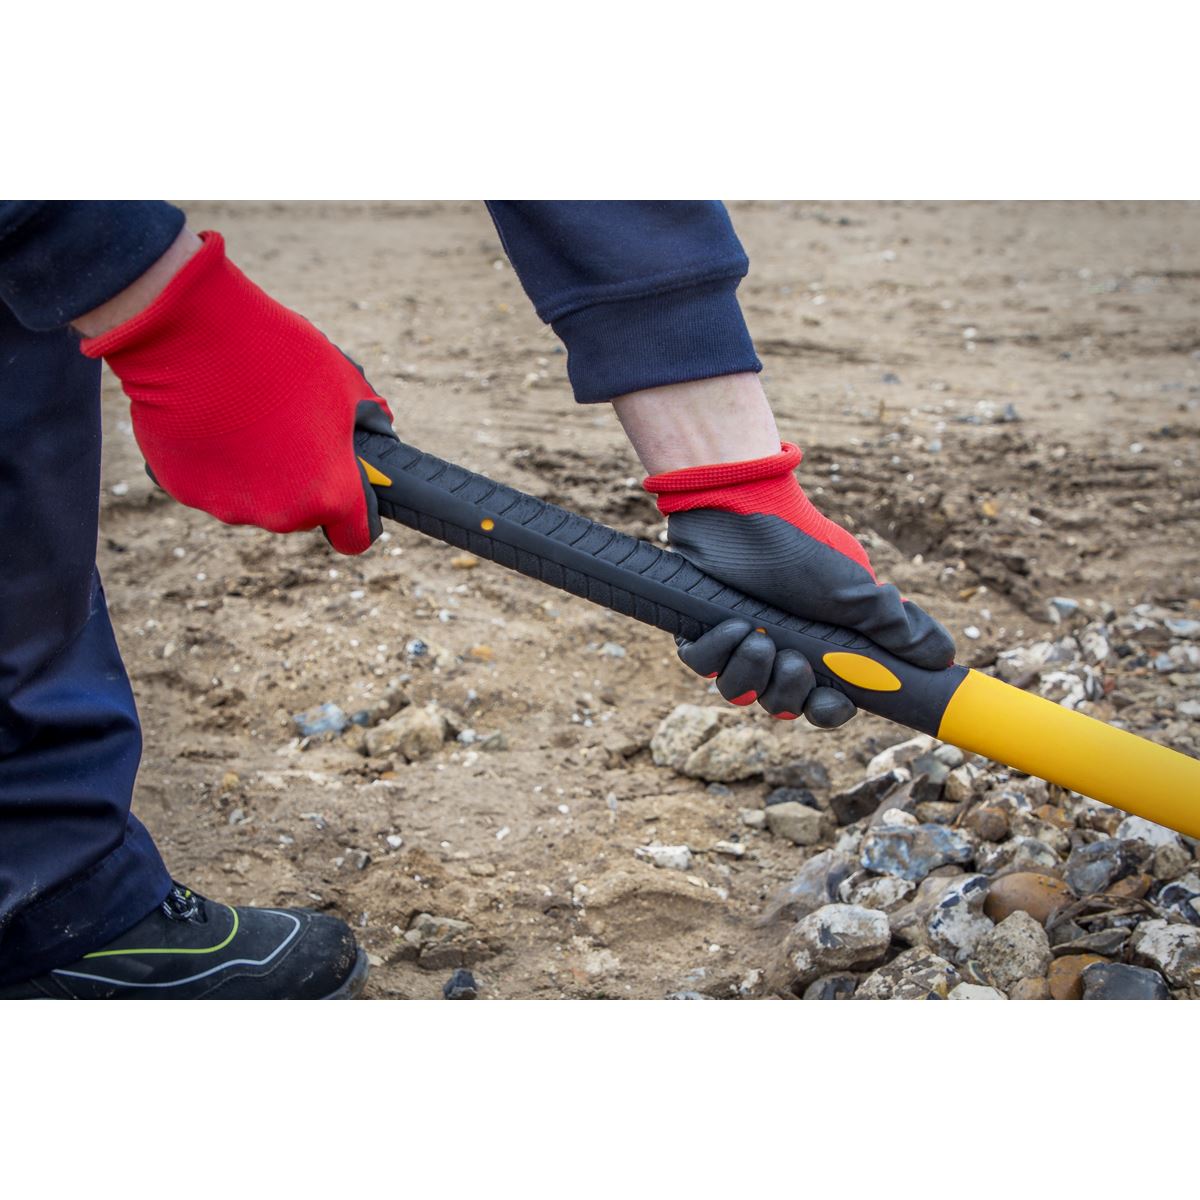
(723, 419)
(142, 292)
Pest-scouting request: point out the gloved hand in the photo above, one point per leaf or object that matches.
(750, 525)
(243, 408)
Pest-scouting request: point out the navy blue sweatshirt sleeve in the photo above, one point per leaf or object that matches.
(61, 258)
(641, 292)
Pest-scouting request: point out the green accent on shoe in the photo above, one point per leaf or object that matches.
(161, 950)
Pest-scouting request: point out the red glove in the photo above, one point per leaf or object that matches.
(243, 408)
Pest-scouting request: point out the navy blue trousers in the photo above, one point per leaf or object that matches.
(76, 868)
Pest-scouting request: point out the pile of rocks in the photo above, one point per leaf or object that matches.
(1028, 892)
(937, 876)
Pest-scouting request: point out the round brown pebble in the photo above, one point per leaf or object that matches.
(1041, 896)
(1036, 988)
(989, 823)
(1065, 975)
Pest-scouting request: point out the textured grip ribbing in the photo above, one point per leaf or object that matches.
(626, 575)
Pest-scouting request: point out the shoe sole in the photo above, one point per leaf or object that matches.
(353, 986)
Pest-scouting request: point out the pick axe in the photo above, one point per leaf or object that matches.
(971, 710)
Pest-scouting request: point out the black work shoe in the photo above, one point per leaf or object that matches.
(191, 948)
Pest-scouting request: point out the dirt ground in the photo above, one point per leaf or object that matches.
(895, 339)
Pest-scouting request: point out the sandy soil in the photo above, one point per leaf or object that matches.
(895, 336)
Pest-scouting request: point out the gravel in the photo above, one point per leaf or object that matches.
(950, 876)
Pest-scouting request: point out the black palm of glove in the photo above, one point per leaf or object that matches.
(751, 526)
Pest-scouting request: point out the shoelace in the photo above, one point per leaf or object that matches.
(182, 904)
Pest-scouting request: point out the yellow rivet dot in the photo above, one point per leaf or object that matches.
(487, 524)
(861, 671)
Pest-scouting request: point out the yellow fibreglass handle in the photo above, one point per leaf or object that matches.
(989, 717)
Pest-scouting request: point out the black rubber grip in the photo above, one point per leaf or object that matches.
(625, 574)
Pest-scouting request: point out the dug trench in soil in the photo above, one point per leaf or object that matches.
(1001, 400)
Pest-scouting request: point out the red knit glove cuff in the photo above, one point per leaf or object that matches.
(755, 485)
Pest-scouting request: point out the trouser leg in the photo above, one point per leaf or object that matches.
(76, 868)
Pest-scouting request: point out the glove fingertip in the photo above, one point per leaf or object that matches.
(913, 635)
(348, 537)
(827, 708)
(934, 649)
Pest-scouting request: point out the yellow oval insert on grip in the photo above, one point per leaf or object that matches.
(861, 671)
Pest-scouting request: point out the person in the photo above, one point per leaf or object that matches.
(233, 397)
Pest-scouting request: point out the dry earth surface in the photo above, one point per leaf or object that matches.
(894, 337)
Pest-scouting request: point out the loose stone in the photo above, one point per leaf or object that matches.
(325, 718)
(913, 853)
(975, 991)
(1118, 981)
(1037, 988)
(910, 921)
(917, 974)
(802, 772)
(936, 812)
(416, 733)
(1169, 854)
(791, 795)
(899, 755)
(863, 799)
(1181, 898)
(796, 822)
(815, 885)
(1171, 949)
(836, 937)
(1017, 854)
(426, 927)
(952, 756)
(1066, 975)
(960, 783)
(884, 892)
(1132, 887)
(739, 752)
(671, 858)
(687, 728)
(832, 987)
(988, 822)
(957, 924)
(1093, 867)
(461, 986)
(1015, 949)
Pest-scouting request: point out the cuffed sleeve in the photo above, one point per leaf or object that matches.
(642, 292)
(61, 258)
